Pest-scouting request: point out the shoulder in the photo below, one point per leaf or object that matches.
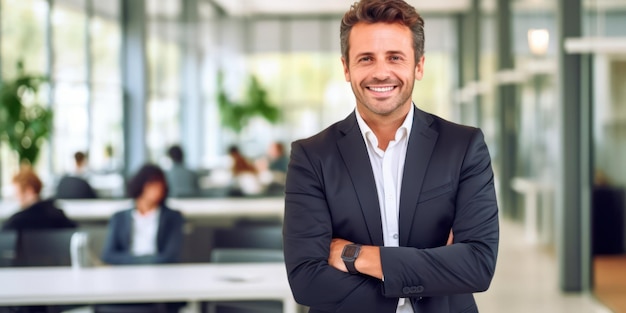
(15, 220)
(122, 214)
(171, 213)
(449, 133)
(448, 128)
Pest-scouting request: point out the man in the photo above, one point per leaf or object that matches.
(182, 181)
(75, 185)
(372, 201)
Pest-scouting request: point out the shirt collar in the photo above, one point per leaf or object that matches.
(403, 130)
(152, 215)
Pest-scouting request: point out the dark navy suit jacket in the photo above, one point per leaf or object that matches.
(117, 247)
(447, 184)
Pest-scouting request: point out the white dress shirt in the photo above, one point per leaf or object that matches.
(145, 228)
(388, 167)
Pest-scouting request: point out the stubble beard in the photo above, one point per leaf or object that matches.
(384, 110)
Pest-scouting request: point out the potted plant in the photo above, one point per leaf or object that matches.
(24, 124)
(236, 115)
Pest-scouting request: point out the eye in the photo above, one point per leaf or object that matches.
(365, 59)
(395, 58)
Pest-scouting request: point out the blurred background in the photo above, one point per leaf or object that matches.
(123, 81)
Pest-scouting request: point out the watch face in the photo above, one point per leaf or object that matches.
(350, 251)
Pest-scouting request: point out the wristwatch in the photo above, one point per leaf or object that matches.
(348, 255)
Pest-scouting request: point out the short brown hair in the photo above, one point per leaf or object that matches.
(79, 157)
(383, 11)
(26, 177)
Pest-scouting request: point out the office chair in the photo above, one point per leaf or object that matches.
(73, 187)
(44, 247)
(247, 244)
(131, 308)
(8, 240)
(256, 237)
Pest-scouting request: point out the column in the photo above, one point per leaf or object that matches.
(135, 83)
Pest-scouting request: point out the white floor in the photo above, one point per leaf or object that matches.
(526, 280)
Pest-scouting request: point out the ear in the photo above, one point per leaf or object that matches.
(419, 68)
(346, 71)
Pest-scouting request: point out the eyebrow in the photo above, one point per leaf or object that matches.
(386, 53)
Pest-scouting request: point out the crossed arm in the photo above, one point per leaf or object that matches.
(367, 263)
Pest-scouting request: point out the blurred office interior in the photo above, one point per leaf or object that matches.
(544, 79)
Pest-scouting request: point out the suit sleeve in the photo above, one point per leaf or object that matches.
(468, 264)
(307, 235)
(113, 251)
(170, 253)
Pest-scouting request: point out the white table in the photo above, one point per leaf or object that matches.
(95, 210)
(532, 190)
(149, 283)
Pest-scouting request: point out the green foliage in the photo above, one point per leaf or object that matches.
(24, 124)
(236, 115)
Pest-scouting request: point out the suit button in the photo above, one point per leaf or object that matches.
(406, 290)
(414, 289)
(420, 288)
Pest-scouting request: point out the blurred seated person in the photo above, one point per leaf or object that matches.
(278, 159)
(149, 233)
(246, 181)
(182, 181)
(75, 185)
(35, 213)
(274, 169)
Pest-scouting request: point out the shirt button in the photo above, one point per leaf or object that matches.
(395, 236)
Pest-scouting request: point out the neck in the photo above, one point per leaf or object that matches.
(144, 207)
(385, 126)
(29, 200)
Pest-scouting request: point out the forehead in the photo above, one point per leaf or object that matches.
(380, 37)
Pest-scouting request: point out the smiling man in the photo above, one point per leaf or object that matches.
(392, 209)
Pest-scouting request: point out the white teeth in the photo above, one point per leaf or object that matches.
(381, 89)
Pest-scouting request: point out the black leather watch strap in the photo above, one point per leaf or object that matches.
(350, 266)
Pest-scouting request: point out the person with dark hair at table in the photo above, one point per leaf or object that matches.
(75, 185)
(182, 181)
(149, 233)
(35, 213)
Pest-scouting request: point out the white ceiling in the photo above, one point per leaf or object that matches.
(336, 7)
(339, 7)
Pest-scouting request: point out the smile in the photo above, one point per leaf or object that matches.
(381, 89)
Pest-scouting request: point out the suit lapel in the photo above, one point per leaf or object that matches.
(354, 154)
(419, 150)
(126, 231)
(162, 227)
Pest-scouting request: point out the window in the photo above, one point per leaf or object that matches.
(106, 88)
(23, 39)
(69, 77)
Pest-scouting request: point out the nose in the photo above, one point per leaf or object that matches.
(381, 71)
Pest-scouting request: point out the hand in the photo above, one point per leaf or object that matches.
(334, 258)
(450, 238)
